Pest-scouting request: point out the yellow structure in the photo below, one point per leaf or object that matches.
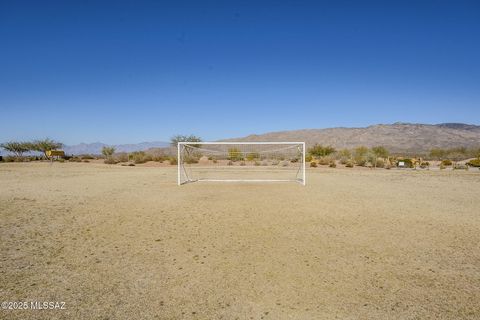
(56, 153)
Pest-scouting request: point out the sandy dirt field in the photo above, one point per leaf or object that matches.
(128, 243)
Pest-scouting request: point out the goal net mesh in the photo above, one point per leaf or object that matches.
(241, 162)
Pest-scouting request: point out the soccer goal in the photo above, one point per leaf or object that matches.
(241, 161)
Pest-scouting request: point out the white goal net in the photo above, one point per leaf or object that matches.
(241, 161)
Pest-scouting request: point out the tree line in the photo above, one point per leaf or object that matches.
(19, 148)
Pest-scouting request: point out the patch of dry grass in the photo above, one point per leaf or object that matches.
(127, 242)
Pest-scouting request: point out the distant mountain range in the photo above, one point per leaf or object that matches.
(96, 147)
(398, 137)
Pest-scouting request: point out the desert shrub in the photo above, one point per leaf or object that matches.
(252, 156)
(460, 166)
(230, 163)
(242, 163)
(88, 160)
(308, 158)
(256, 163)
(317, 150)
(190, 160)
(332, 164)
(109, 160)
(442, 166)
(275, 162)
(214, 160)
(474, 163)
(235, 154)
(294, 160)
(324, 161)
(344, 154)
(344, 160)
(313, 164)
(61, 160)
(122, 157)
(380, 163)
(159, 158)
(284, 163)
(360, 155)
(264, 163)
(173, 161)
(86, 157)
(349, 164)
(361, 162)
(425, 165)
(75, 159)
(139, 157)
(447, 162)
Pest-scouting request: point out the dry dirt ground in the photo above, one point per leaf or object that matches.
(128, 243)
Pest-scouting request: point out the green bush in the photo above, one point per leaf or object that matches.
(474, 163)
(447, 163)
(235, 154)
(361, 162)
(313, 164)
(308, 158)
(425, 165)
(252, 156)
(318, 150)
(349, 164)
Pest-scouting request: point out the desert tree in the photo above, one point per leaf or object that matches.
(184, 138)
(46, 145)
(108, 151)
(17, 148)
(379, 152)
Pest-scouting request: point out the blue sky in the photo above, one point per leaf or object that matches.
(132, 71)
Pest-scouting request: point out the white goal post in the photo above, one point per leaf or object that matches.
(241, 162)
